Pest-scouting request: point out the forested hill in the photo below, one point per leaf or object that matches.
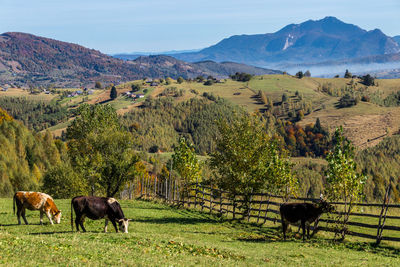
(26, 58)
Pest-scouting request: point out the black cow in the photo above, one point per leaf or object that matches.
(305, 213)
(98, 208)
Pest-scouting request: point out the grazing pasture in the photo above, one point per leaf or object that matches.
(160, 235)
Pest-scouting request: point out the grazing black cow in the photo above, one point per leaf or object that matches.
(305, 213)
(98, 208)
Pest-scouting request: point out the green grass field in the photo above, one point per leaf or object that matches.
(160, 235)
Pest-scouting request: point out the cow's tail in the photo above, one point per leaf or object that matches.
(14, 199)
(72, 217)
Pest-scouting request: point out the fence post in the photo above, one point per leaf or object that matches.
(155, 186)
(234, 207)
(259, 208)
(266, 210)
(141, 187)
(220, 202)
(383, 212)
(211, 197)
(249, 211)
(166, 189)
(195, 195)
(202, 198)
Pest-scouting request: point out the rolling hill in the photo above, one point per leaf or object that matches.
(29, 59)
(309, 42)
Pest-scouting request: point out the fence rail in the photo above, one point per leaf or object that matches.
(262, 207)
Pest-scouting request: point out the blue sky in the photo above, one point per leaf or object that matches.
(159, 25)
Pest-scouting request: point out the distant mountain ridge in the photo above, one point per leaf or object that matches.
(26, 58)
(308, 42)
(397, 39)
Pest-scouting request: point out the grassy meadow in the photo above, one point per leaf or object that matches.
(160, 235)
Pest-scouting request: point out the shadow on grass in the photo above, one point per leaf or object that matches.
(371, 247)
(10, 224)
(176, 220)
(51, 233)
(23, 224)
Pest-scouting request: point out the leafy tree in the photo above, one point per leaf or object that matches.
(180, 80)
(135, 87)
(247, 161)
(113, 93)
(4, 116)
(343, 182)
(185, 162)
(209, 82)
(307, 73)
(284, 97)
(98, 85)
(300, 115)
(368, 80)
(347, 101)
(61, 181)
(99, 149)
(299, 74)
(347, 74)
(168, 81)
(118, 159)
(241, 77)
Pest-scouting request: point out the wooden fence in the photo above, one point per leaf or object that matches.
(265, 207)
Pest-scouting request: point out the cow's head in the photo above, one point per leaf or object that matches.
(123, 224)
(57, 216)
(324, 205)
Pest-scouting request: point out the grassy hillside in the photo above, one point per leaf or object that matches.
(366, 123)
(163, 236)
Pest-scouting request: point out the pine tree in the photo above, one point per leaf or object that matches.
(113, 93)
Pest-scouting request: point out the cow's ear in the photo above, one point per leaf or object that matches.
(120, 220)
(128, 220)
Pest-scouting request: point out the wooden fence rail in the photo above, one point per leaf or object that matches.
(262, 207)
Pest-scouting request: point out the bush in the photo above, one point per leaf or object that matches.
(368, 80)
(347, 101)
(241, 77)
(135, 87)
(180, 80)
(62, 182)
(209, 82)
(365, 98)
(299, 74)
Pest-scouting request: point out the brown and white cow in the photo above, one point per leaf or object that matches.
(36, 201)
(97, 208)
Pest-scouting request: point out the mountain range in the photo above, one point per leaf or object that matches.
(327, 46)
(29, 59)
(309, 42)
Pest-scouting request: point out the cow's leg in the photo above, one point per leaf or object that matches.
(81, 223)
(49, 216)
(115, 225)
(105, 225)
(19, 215)
(77, 221)
(303, 225)
(308, 231)
(284, 227)
(41, 217)
(23, 215)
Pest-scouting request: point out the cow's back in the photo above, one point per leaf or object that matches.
(293, 213)
(91, 207)
(34, 200)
